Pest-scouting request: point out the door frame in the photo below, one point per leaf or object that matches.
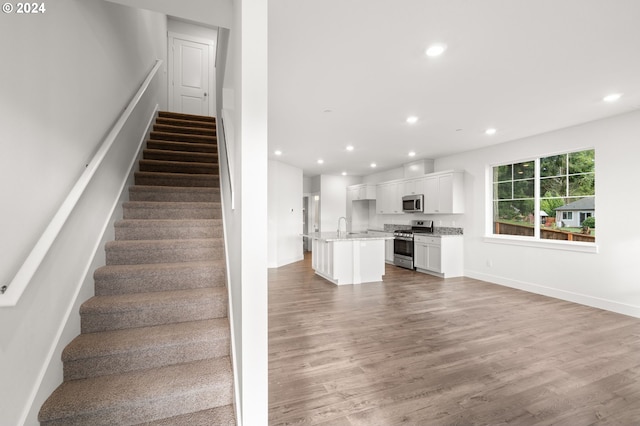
(211, 94)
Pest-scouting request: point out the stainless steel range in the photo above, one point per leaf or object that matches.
(403, 242)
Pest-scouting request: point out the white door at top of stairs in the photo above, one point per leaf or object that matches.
(191, 75)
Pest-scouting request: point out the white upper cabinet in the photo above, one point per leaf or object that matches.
(363, 191)
(444, 193)
(389, 198)
(413, 186)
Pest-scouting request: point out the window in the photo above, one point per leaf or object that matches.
(537, 198)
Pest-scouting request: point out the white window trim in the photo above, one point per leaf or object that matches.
(535, 241)
(514, 240)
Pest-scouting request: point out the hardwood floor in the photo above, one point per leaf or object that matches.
(420, 350)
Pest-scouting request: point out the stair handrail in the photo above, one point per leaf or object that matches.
(226, 135)
(10, 294)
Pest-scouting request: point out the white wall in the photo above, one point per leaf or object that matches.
(63, 86)
(188, 28)
(333, 200)
(211, 12)
(607, 279)
(285, 214)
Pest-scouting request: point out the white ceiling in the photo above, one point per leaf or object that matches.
(522, 66)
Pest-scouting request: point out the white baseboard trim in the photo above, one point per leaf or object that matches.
(583, 299)
(285, 262)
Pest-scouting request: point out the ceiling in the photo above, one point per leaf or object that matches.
(349, 72)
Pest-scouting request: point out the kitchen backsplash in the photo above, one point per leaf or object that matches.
(439, 230)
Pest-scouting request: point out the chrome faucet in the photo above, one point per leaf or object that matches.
(345, 224)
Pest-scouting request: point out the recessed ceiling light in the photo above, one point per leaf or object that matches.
(412, 119)
(490, 131)
(344, 173)
(435, 50)
(412, 154)
(328, 110)
(349, 147)
(278, 152)
(374, 165)
(320, 161)
(612, 97)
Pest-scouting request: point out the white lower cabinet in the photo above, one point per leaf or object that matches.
(438, 255)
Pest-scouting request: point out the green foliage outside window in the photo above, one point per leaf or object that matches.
(563, 179)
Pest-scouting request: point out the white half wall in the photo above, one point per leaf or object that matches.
(607, 279)
(285, 214)
(244, 99)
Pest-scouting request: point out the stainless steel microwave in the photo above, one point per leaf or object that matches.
(413, 203)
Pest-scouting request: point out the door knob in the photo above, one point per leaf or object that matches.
(205, 94)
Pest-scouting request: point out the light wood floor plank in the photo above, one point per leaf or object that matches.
(420, 350)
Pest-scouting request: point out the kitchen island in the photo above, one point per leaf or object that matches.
(348, 258)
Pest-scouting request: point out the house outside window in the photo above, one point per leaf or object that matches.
(546, 198)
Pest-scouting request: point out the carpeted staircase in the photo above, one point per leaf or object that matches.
(155, 339)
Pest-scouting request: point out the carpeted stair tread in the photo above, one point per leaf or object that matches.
(182, 146)
(163, 251)
(171, 210)
(178, 167)
(173, 193)
(122, 311)
(181, 137)
(168, 229)
(183, 156)
(176, 179)
(142, 278)
(219, 416)
(141, 396)
(190, 117)
(185, 122)
(185, 129)
(120, 351)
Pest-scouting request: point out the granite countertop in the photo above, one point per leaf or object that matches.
(344, 236)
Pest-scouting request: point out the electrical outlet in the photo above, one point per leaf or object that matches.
(489, 263)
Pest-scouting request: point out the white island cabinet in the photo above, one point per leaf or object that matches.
(348, 258)
(388, 244)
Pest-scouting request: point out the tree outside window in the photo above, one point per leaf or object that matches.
(561, 179)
